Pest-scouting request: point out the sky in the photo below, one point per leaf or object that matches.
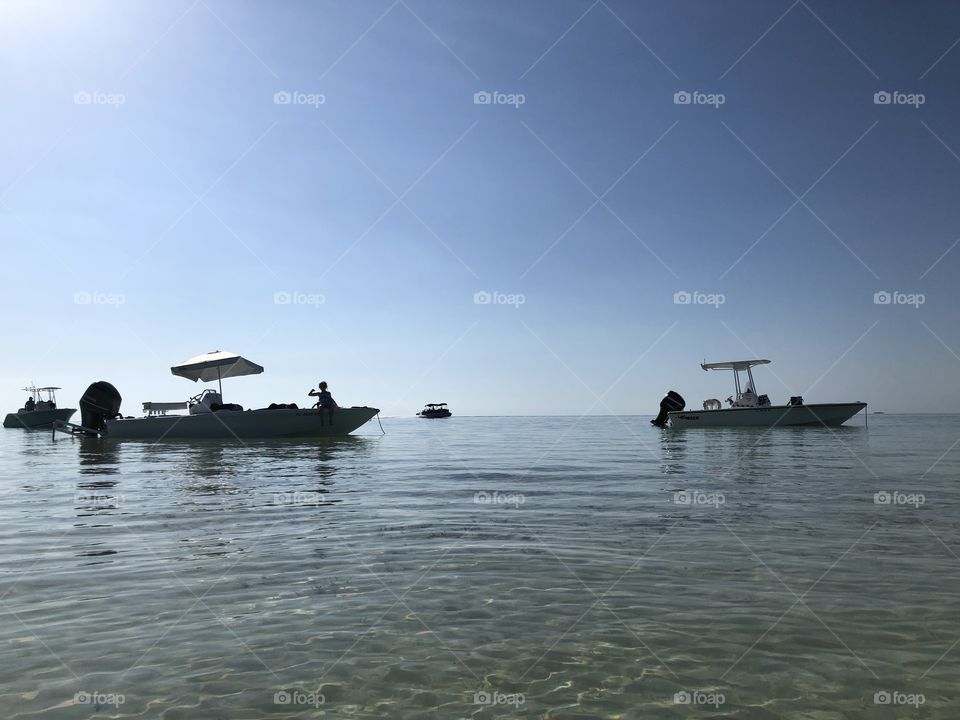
(544, 207)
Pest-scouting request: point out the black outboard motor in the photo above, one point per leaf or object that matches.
(671, 402)
(101, 402)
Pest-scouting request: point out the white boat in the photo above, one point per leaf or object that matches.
(208, 416)
(747, 408)
(39, 413)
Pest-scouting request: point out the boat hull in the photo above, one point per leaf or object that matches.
(37, 418)
(226, 424)
(829, 414)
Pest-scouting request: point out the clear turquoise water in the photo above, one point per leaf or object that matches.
(363, 578)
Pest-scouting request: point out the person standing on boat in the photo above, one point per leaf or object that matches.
(29, 405)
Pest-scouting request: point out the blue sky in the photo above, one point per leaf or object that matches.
(159, 199)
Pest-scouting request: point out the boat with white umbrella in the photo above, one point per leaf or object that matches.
(749, 409)
(208, 416)
(215, 365)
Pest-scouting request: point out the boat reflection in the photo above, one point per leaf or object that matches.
(217, 491)
(96, 496)
(751, 455)
(97, 501)
(98, 456)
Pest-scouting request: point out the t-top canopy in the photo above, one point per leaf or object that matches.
(435, 404)
(733, 364)
(215, 365)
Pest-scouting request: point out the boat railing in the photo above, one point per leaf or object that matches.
(162, 408)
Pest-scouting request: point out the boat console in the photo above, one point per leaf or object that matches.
(203, 403)
(209, 401)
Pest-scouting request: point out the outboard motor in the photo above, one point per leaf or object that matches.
(671, 402)
(101, 402)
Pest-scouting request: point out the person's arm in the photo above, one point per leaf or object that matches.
(313, 393)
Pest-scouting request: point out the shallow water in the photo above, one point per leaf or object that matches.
(486, 567)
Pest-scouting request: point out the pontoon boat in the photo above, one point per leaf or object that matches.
(435, 410)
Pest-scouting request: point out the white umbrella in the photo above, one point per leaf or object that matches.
(215, 365)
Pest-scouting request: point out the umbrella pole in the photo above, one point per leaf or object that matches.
(220, 384)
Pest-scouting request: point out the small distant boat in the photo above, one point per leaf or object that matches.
(43, 413)
(748, 409)
(435, 410)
